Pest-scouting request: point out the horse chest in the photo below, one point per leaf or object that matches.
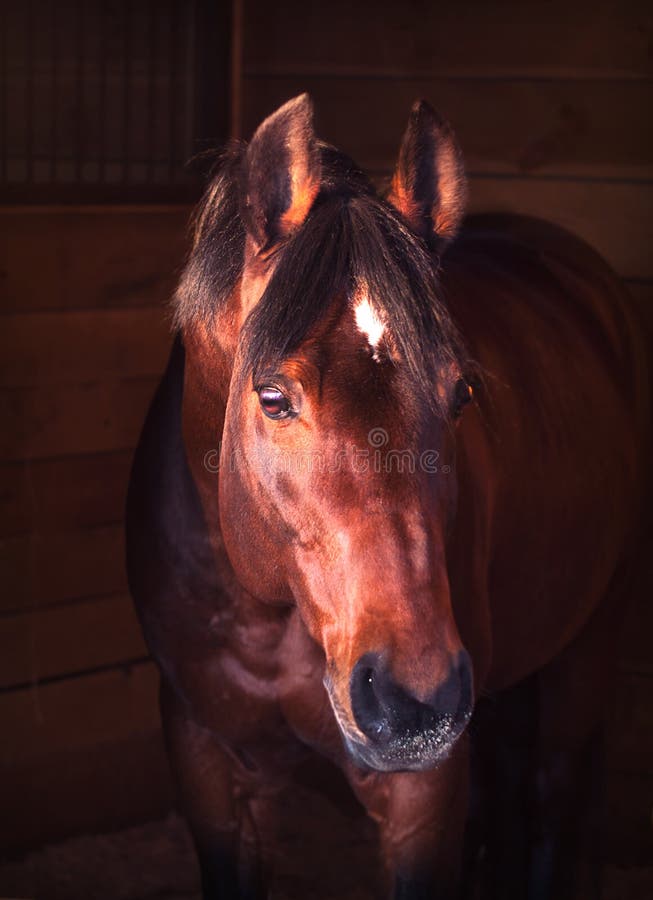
(303, 699)
(259, 678)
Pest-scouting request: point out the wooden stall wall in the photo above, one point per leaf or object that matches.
(99, 102)
(550, 100)
(84, 337)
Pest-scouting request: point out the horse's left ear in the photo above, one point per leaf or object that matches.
(428, 187)
(281, 175)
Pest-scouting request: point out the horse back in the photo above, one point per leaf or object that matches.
(556, 451)
(556, 337)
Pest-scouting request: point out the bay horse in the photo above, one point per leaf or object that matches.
(394, 468)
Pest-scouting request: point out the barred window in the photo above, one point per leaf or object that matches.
(108, 99)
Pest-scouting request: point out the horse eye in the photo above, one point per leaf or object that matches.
(463, 393)
(273, 402)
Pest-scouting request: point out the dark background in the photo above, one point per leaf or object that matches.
(101, 105)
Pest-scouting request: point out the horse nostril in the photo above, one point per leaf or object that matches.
(385, 711)
(368, 705)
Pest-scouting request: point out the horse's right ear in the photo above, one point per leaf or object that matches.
(428, 187)
(281, 173)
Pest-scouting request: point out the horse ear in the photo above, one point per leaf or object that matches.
(281, 175)
(428, 187)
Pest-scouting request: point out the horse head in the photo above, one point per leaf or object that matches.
(337, 479)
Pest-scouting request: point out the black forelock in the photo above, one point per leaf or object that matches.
(350, 238)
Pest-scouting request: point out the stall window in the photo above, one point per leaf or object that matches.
(109, 100)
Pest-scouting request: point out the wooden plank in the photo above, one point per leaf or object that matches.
(84, 418)
(78, 713)
(66, 494)
(615, 218)
(69, 347)
(46, 643)
(83, 753)
(564, 127)
(99, 788)
(75, 258)
(37, 571)
(584, 38)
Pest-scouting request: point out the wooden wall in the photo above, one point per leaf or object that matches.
(552, 105)
(551, 100)
(84, 337)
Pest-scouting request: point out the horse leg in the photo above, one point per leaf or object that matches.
(572, 693)
(209, 799)
(421, 817)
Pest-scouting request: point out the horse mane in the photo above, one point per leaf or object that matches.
(215, 263)
(350, 238)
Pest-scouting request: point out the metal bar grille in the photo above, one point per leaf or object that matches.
(106, 94)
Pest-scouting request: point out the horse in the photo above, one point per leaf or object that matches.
(383, 512)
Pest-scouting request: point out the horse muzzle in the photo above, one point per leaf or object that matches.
(399, 730)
